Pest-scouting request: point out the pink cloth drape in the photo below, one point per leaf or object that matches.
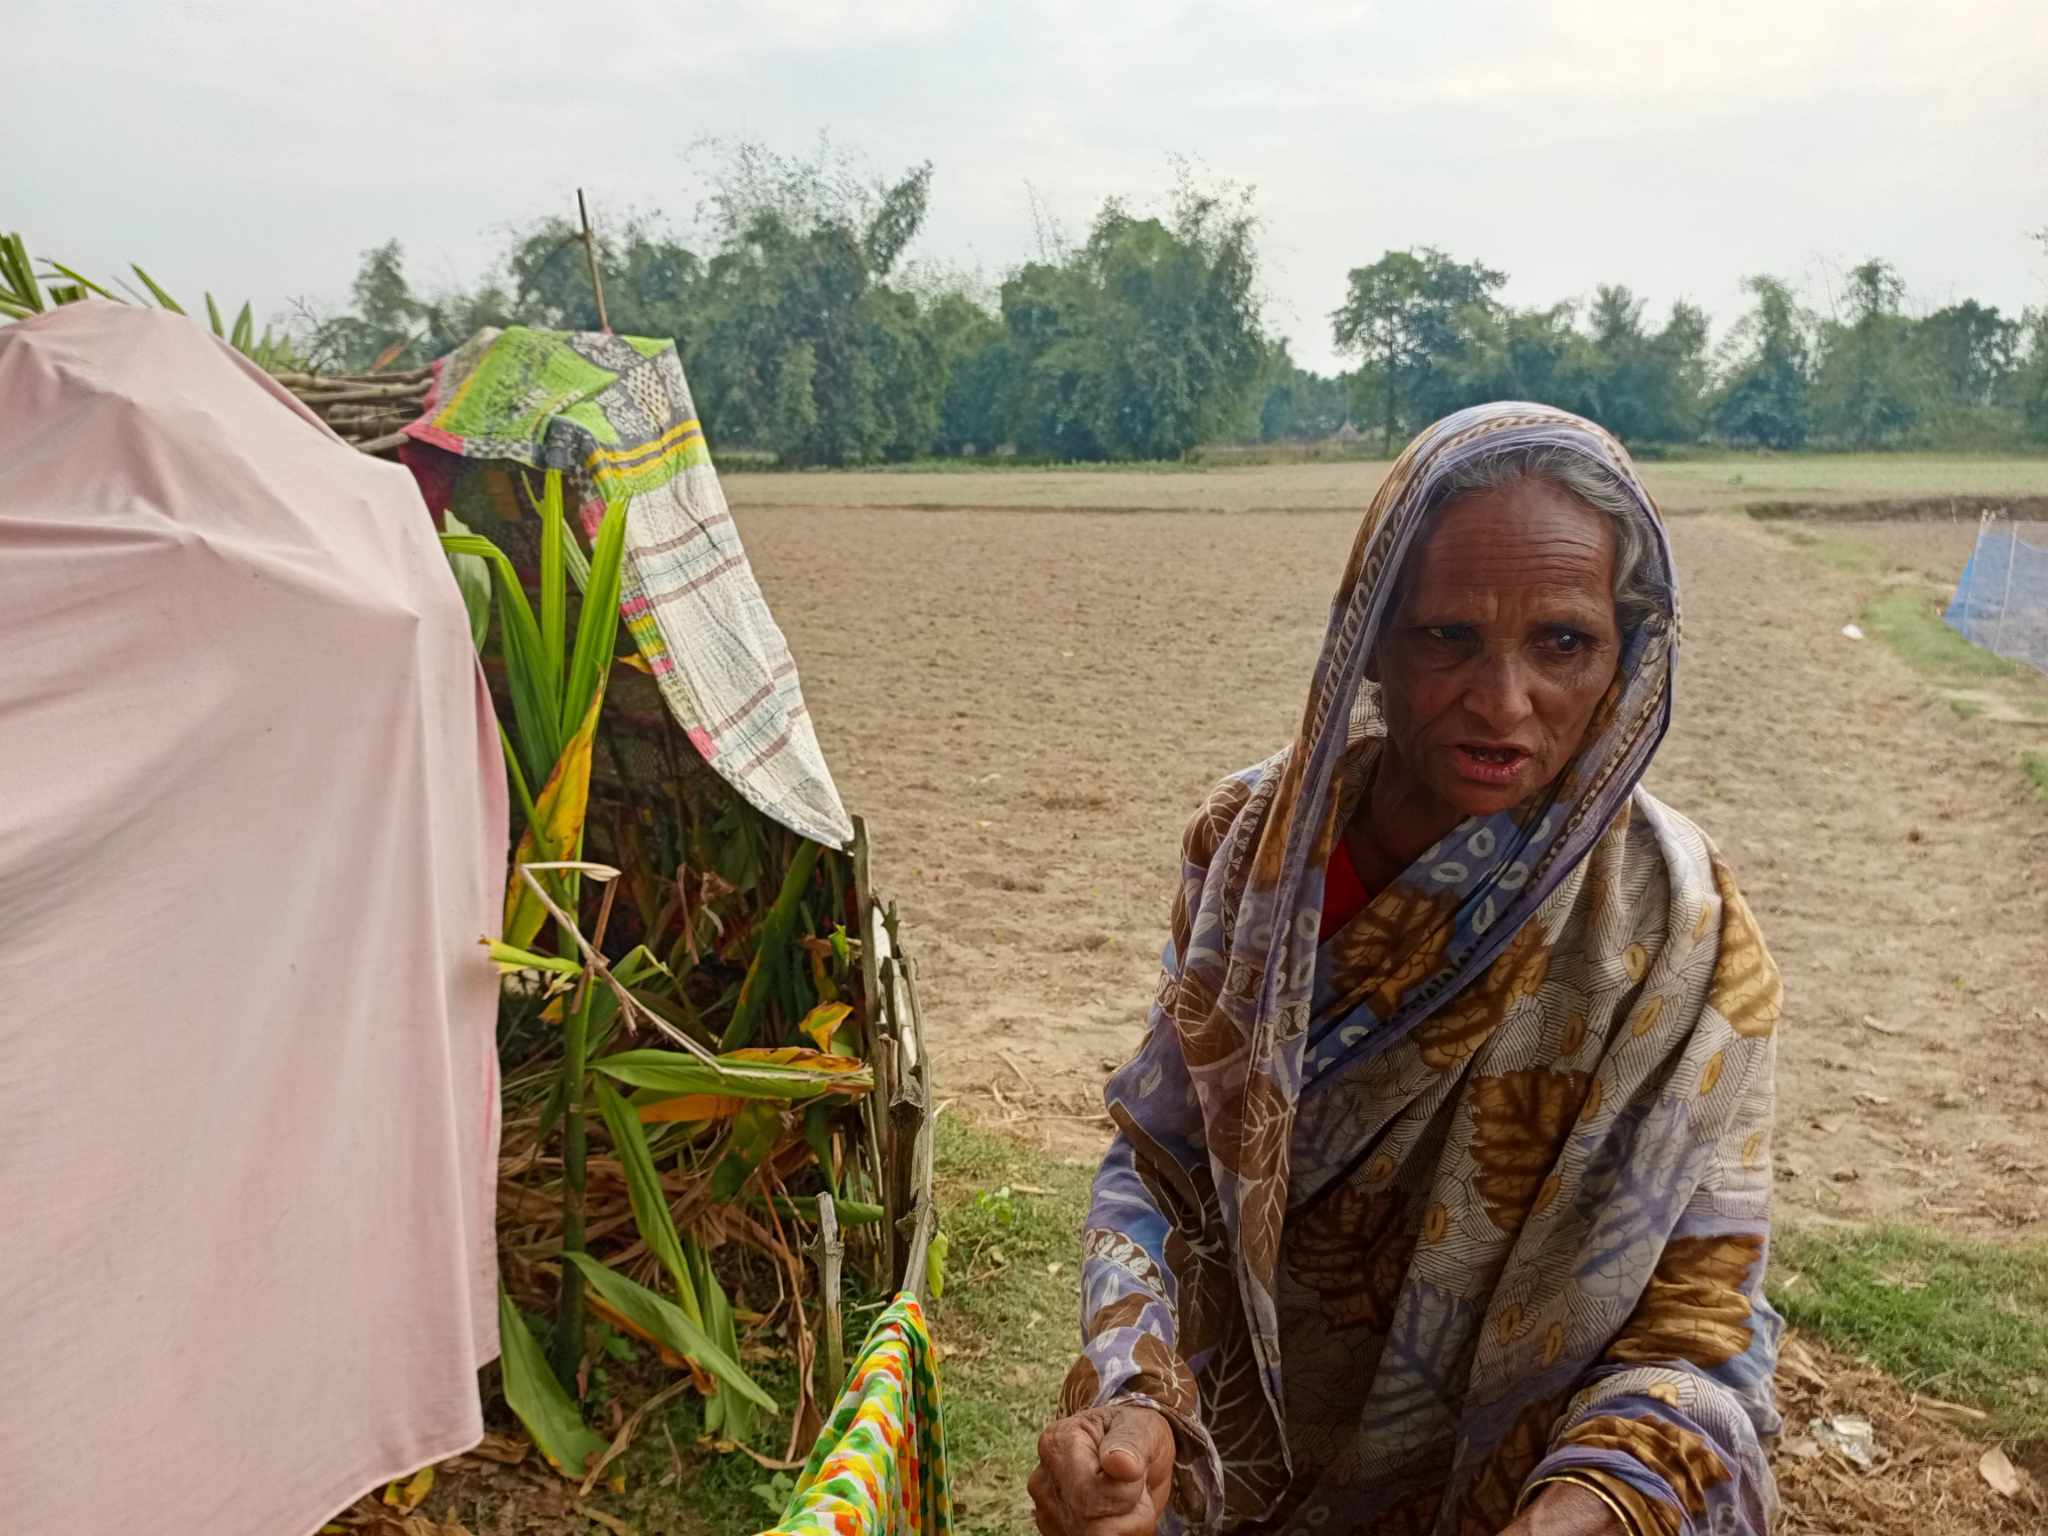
(252, 827)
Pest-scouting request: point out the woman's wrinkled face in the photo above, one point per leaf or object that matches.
(1502, 648)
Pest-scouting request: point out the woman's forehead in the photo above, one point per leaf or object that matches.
(1528, 527)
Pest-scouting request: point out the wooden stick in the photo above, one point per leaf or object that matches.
(349, 393)
(361, 410)
(831, 1253)
(384, 444)
(590, 255)
(923, 1196)
(881, 1049)
(295, 381)
(371, 423)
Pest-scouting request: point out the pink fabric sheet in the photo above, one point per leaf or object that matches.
(252, 827)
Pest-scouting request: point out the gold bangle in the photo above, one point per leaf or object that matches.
(1614, 1508)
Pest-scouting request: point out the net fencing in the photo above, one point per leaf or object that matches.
(2001, 602)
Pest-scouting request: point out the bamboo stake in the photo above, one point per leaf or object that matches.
(924, 1202)
(590, 255)
(877, 1045)
(831, 1254)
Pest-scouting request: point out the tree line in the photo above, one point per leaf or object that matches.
(807, 333)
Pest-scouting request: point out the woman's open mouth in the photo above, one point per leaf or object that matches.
(1489, 764)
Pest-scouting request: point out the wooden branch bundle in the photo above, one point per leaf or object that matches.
(367, 410)
(297, 381)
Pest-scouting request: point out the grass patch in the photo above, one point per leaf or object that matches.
(1911, 624)
(1008, 1326)
(1832, 549)
(677, 1486)
(1955, 1319)
(2035, 766)
(1009, 1322)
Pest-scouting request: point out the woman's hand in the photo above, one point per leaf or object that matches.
(1106, 1472)
(1564, 1510)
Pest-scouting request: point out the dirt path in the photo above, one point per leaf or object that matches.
(1026, 704)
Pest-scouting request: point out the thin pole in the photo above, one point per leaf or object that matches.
(2012, 558)
(590, 255)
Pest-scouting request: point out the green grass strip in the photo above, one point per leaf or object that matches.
(1962, 1320)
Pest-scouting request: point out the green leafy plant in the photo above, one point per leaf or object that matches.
(683, 1122)
(693, 1324)
(775, 1492)
(25, 291)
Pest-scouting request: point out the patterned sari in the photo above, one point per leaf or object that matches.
(1473, 1195)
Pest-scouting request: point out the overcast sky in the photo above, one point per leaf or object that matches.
(258, 148)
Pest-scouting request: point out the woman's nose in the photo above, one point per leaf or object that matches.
(1499, 691)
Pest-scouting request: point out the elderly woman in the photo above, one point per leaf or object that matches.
(1440, 1192)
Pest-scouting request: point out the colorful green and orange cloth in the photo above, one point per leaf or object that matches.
(614, 415)
(879, 1468)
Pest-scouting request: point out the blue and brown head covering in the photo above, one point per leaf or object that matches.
(1279, 1068)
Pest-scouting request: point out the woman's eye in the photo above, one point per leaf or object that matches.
(1571, 642)
(1449, 634)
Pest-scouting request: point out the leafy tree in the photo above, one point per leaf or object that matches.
(807, 331)
(392, 325)
(1766, 362)
(1523, 354)
(974, 355)
(800, 276)
(1971, 351)
(1864, 390)
(1141, 343)
(1299, 404)
(1651, 384)
(653, 285)
(1403, 315)
(2030, 380)
(1058, 362)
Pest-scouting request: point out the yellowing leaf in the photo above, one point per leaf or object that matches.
(409, 1496)
(561, 806)
(690, 1107)
(819, 1023)
(797, 1057)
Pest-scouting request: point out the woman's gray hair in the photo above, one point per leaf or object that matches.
(1640, 591)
